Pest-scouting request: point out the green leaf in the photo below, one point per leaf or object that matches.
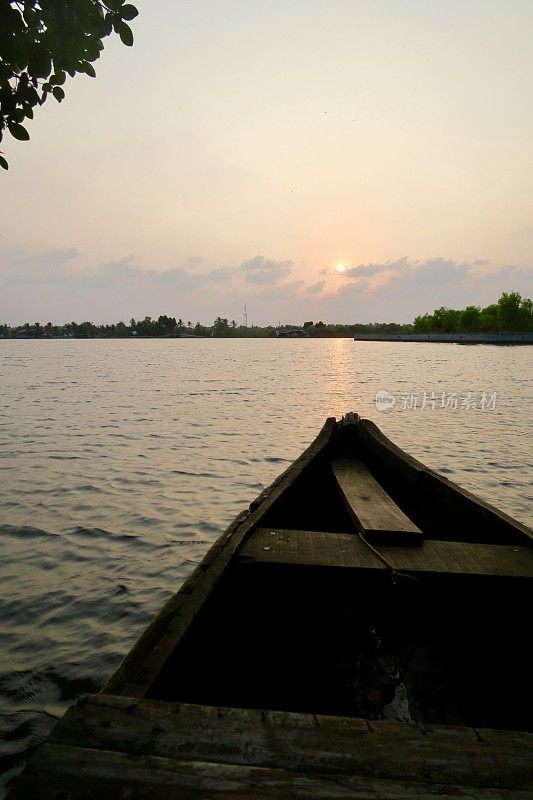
(92, 52)
(128, 12)
(125, 33)
(18, 115)
(107, 24)
(58, 78)
(58, 93)
(9, 102)
(3, 163)
(18, 131)
(31, 96)
(89, 69)
(39, 63)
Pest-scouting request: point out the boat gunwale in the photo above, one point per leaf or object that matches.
(414, 470)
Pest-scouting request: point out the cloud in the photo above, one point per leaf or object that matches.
(175, 278)
(48, 258)
(400, 290)
(108, 275)
(436, 271)
(221, 274)
(23, 268)
(124, 268)
(193, 261)
(285, 294)
(367, 270)
(63, 284)
(263, 271)
(315, 288)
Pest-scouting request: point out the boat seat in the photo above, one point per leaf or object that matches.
(374, 513)
(346, 550)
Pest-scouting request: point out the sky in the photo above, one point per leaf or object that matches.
(349, 161)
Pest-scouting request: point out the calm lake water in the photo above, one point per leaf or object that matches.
(122, 461)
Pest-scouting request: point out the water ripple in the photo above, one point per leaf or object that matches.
(122, 461)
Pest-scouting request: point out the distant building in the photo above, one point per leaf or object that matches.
(292, 333)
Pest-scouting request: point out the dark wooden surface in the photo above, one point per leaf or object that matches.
(375, 514)
(316, 548)
(125, 748)
(436, 502)
(102, 775)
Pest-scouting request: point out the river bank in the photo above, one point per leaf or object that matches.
(448, 338)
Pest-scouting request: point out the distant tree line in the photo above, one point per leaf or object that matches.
(162, 326)
(510, 313)
(165, 326)
(322, 330)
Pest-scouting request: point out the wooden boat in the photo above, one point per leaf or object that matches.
(360, 631)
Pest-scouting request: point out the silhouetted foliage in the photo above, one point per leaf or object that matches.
(221, 327)
(43, 41)
(512, 312)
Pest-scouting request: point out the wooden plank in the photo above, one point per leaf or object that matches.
(346, 550)
(71, 773)
(308, 548)
(149, 655)
(375, 514)
(454, 502)
(300, 742)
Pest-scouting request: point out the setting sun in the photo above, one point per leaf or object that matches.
(340, 268)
